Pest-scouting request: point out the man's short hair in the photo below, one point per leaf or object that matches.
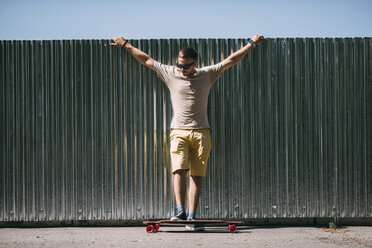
(188, 53)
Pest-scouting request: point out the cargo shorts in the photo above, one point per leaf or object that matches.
(190, 149)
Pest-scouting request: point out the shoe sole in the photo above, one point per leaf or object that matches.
(177, 219)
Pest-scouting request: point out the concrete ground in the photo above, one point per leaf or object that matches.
(180, 237)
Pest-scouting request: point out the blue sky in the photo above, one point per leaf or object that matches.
(144, 19)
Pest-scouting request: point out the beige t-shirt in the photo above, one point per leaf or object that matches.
(189, 94)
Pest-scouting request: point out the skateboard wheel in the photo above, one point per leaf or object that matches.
(156, 227)
(150, 229)
(233, 229)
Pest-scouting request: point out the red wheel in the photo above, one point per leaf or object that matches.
(233, 228)
(150, 229)
(156, 227)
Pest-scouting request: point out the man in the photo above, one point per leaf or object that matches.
(190, 137)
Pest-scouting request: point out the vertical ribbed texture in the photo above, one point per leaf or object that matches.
(84, 130)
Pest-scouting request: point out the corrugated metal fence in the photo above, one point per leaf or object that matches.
(84, 130)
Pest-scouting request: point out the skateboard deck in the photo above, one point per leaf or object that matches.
(154, 225)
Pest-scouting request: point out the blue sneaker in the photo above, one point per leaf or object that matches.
(180, 216)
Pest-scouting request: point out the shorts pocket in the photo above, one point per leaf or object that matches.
(174, 145)
(205, 146)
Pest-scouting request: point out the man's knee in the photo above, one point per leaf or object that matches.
(196, 179)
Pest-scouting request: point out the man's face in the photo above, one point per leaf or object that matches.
(191, 64)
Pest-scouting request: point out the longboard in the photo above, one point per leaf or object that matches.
(154, 225)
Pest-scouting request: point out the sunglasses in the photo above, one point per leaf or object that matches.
(185, 66)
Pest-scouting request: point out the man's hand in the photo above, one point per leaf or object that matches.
(257, 39)
(140, 56)
(118, 42)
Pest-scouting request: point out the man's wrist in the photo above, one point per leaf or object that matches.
(125, 43)
(252, 43)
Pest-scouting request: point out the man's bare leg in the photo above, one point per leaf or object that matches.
(194, 194)
(179, 186)
(179, 189)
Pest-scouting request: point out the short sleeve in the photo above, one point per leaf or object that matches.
(214, 71)
(163, 71)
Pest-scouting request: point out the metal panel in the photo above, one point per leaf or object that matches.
(84, 130)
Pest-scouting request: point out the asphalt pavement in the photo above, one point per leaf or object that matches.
(247, 236)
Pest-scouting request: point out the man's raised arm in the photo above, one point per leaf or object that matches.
(140, 56)
(237, 56)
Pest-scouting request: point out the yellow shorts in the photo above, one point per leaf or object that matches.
(193, 144)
